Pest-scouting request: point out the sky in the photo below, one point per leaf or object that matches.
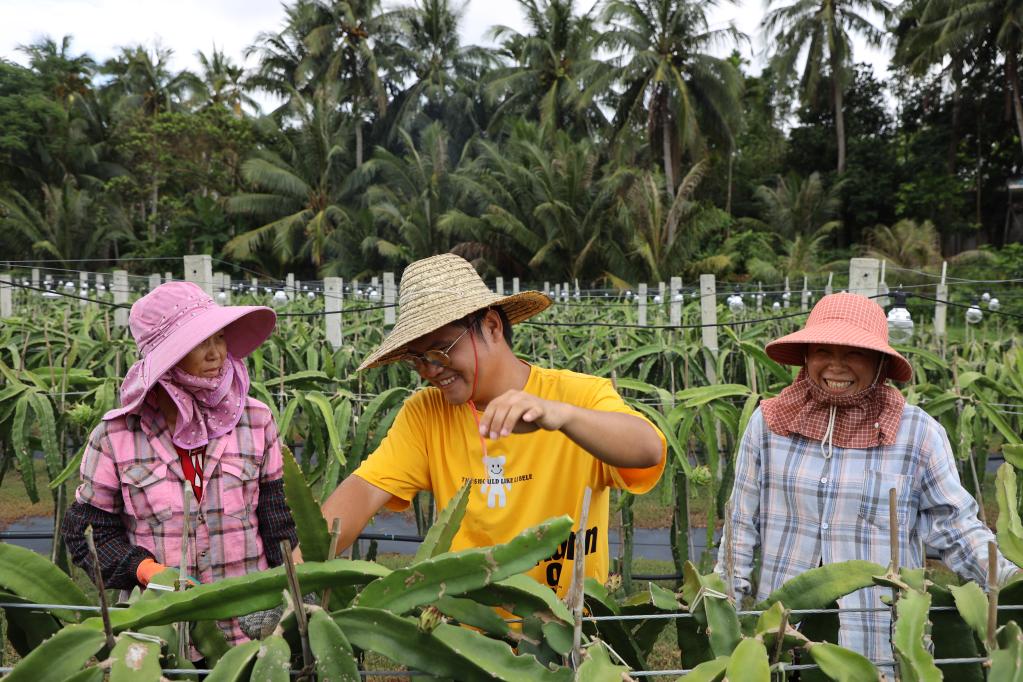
(100, 27)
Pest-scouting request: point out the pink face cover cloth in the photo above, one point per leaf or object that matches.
(167, 323)
(865, 419)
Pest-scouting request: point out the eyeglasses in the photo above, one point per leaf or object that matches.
(437, 358)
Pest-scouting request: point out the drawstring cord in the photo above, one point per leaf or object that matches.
(472, 405)
(828, 442)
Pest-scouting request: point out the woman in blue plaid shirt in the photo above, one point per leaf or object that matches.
(816, 464)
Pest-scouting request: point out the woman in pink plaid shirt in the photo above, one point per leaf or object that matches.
(186, 427)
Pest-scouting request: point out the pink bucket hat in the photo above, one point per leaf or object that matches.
(842, 320)
(171, 320)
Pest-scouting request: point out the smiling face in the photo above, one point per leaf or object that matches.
(841, 370)
(455, 380)
(206, 359)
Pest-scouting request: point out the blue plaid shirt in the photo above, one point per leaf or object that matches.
(802, 510)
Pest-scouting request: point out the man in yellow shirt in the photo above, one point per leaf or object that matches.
(529, 439)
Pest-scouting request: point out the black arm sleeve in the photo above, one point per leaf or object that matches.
(275, 520)
(118, 558)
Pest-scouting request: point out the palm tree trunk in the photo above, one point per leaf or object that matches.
(357, 111)
(839, 122)
(957, 111)
(669, 174)
(1012, 75)
(728, 198)
(358, 143)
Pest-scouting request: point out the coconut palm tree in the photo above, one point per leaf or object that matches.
(802, 212)
(819, 33)
(223, 83)
(671, 85)
(659, 234)
(906, 244)
(438, 73)
(553, 74)
(71, 224)
(538, 199)
(66, 76)
(971, 22)
(300, 185)
(409, 195)
(342, 51)
(143, 81)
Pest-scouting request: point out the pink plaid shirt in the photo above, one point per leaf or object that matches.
(135, 472)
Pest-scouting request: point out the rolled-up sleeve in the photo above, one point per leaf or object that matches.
(948, 519)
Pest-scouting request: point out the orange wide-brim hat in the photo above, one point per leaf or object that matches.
(842, 320)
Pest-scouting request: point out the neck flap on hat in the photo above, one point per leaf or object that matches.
(207, 408)
(865, 419)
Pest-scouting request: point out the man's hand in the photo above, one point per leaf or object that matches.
(521, 412)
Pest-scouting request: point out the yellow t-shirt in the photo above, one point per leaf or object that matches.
(525, 480)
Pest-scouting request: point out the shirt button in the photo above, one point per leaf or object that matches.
(824, 479)
(824, 526)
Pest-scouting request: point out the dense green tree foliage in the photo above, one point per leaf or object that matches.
(611, 145)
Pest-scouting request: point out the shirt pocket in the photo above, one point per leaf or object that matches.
(874, 498)
(148, 491)
(239, 486)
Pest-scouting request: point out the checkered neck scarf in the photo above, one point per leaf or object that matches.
(862, 420)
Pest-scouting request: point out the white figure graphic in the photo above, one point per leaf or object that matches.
(494, 486)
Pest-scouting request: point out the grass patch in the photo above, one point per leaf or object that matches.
(14, 502)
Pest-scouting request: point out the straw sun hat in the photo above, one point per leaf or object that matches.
(437, 291)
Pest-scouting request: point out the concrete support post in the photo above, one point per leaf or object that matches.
(119, 287)
(199, 270)
(389, 295)
(675, 291)
(863, 276)
(333, 301)
(709, 317)
(641, 301)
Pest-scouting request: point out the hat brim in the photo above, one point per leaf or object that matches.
(791, 349)
(422, 321)
(245, 329)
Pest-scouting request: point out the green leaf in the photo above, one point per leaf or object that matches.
(236, 663)
(442, 532)
(701, 395)
(1013, 453)
(335, 661)
(459, 572)
(34, 578)
(749, 662)
(313, 536)
(273, 661)
(707, 599)
(19, 439)
(972, 604)
(708, 671)
(842, 665)
(1007, 660)
(597, 665)
(915, 662)
(477, 658)
(819, 587)
(327, 414)
(59, 657)
(240, 595)
(1009, 527)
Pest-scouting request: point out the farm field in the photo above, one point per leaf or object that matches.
(60, 359)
